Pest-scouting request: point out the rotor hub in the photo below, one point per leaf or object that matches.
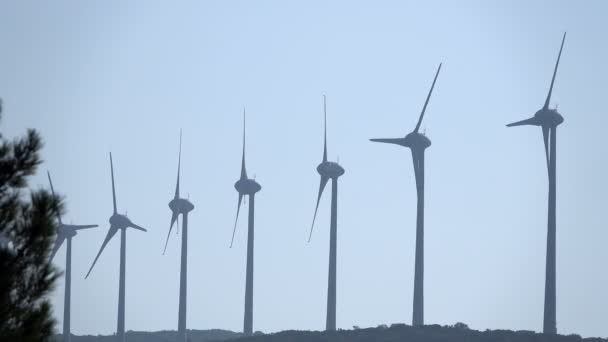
(181, 205)
(66, 231)
(416, 140)
(329, 169)
(120, 221)
(247, 186)
(549, 117)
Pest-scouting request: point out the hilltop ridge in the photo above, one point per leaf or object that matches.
(396, 332)
(429, 333)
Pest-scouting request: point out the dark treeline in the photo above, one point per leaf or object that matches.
(160, 336)
(395, 333)
(402, 332)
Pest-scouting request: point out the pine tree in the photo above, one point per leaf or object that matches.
(27, 220)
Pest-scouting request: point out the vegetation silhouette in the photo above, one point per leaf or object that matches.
(161, 336)
(28, 226)
(383, 333)
(428, 333)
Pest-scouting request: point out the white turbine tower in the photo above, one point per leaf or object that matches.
(417, 143)
(246, 186)
(548, 120)
(66, 232)
(118, 222)
(181, 206)
(329, 170)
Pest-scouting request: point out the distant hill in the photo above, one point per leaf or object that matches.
(395, 333)
(161, 336)
(405, 333)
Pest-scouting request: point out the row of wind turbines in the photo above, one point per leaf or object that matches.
(548, 119)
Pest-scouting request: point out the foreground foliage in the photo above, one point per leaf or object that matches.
(27, 227)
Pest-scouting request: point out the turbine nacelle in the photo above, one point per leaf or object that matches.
(181, 205)
(330, 169)
(247, 186)
(414, 140)
(66, 230)
(549, 117)
(122, 222)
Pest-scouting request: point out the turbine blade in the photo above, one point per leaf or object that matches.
(113, 188)
(530, 122)
(238, 208)
(396, 141)
(133, 225)
(173, 219)
(84, 226)
(325, 129)
(322, 185)
(428, 97)
(243, 169)
(58, 242)
(177, 227)
(554, 73)
(53, 192)
(179, 163)
(546, 142)
(111, 232)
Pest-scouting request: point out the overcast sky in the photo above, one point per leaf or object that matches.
(94, 77)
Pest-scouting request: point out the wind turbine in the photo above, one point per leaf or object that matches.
(181, 206)
(118, 222)
(247, 187)
(329, 170)
(548, 120)
(417, 143)
(66, 232)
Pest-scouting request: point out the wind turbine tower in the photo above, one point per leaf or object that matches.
(417, 143)
(181, 206)
(118, 222)
(66, 232)
(329, 170)
(548, 120)
(247, 187)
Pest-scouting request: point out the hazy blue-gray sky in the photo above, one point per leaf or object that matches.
(118, 76)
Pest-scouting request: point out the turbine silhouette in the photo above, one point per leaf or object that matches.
(181, 206)
(66, 232)
(417, 143)
(329, 170)
(548, 120)
(247, 187)
(118, 222)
